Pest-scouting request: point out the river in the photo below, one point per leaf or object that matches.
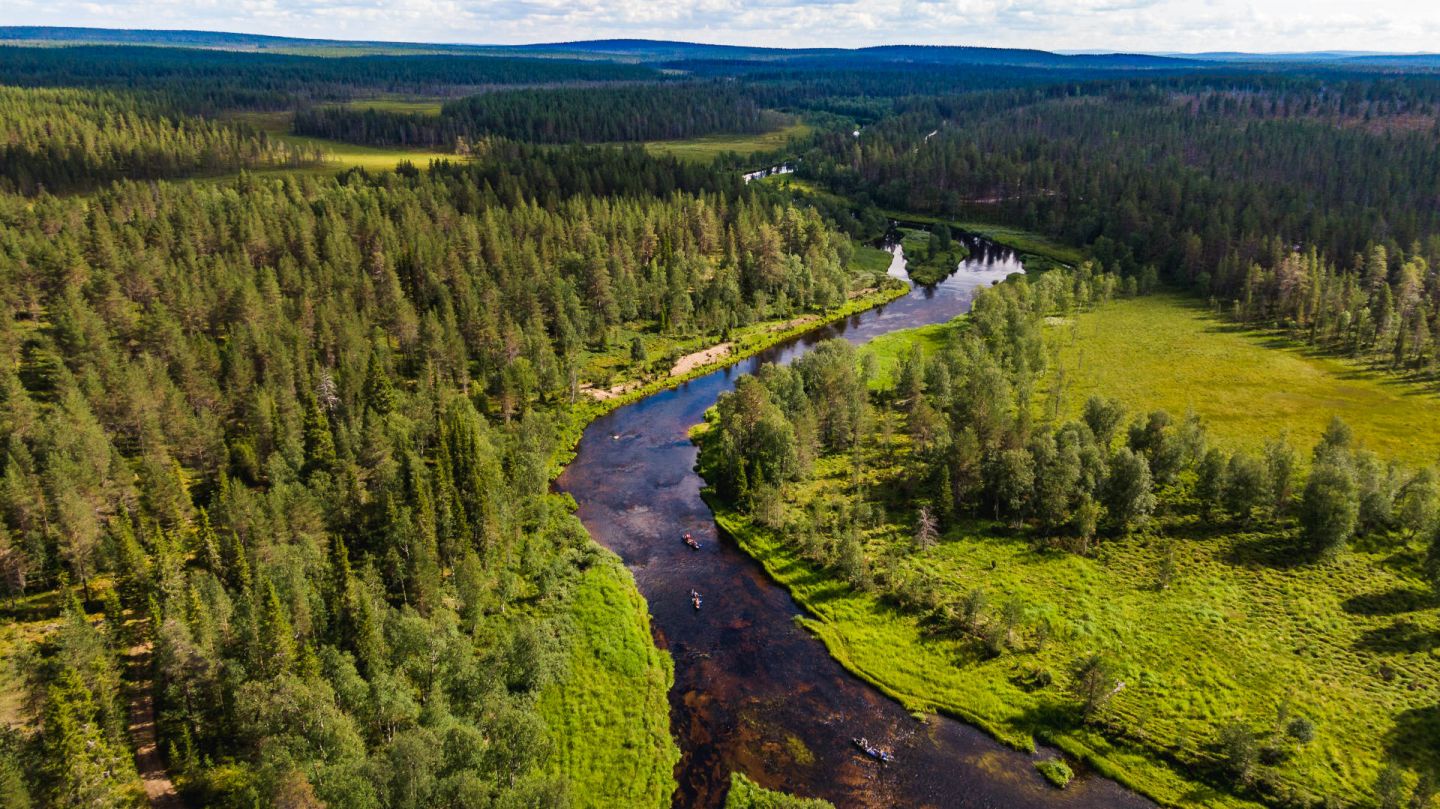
(754, 692)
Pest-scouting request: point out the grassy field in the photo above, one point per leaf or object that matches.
(339, 155)
(1244, 633)
(608, 714)
(419, 106)
(870, 259)
(706, 149)
(1239, 635)
(1167, 352)
(746, 794)
(342, 155)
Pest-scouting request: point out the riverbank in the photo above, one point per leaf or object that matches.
(745, 343)
(896, 654)
(608, 713)
(1028, 244)
(754, 692)
(1218, 627)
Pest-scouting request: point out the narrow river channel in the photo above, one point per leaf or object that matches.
(754, 692)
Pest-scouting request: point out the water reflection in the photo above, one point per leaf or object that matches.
(754, 692)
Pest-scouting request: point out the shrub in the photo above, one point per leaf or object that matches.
(1055, 771)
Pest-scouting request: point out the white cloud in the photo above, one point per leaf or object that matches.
(1153, 25)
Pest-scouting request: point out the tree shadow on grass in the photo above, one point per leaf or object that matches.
(1270, 551)
(1414, 741)
(1402, 636)
(1395, 601)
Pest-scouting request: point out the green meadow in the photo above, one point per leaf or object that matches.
(608, 714)
(1240, 634)
(415, 106)
(1210, 624)
(1167, 352)
(342, 155)
(706, 149)
(339, 154)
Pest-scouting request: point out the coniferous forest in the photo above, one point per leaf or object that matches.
(279, 433)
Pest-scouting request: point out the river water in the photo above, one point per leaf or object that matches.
(754, 692)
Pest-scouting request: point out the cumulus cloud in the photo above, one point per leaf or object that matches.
(1135, 25)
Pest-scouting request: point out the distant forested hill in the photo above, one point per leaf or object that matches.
(213, 80)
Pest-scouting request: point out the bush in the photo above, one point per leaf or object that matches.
(1055, 771)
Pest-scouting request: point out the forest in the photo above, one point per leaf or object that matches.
(632, 113)
(291, 437)
(278, 438)
(71, 140)
(211, 81)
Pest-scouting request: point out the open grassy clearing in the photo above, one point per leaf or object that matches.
(339, 155)
(608, 713)
(344, 155)
(415, 106)
(868, 259)
(1166, 352)
(706, 149)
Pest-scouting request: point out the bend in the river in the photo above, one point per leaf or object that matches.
(753, 691)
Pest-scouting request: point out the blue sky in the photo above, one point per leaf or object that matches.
(1132, 25)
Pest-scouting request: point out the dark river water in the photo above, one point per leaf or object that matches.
(754, 692)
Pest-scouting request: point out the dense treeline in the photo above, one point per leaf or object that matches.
(977, 450)
(1244, 189)
(514, 173)
(211, 81)
(566, 115)
(294, 436)
(65, 140)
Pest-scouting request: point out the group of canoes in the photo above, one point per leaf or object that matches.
(877, 753)
(694, 545)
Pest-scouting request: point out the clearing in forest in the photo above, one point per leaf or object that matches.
(1164, 352)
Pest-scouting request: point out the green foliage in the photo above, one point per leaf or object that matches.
(643, 112)
(1056, 771)
(931, 256)
(307, 425)
(69, 140)
(607, 709)
(1329, 507)
(206, 80)
(746, 794)
(923, 621)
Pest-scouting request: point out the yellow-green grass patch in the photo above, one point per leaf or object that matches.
(1167, 352)
(405, 104)
(706, 149)
(338, 154)
(608, 714)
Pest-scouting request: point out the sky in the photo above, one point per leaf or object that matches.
(1112, 25)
